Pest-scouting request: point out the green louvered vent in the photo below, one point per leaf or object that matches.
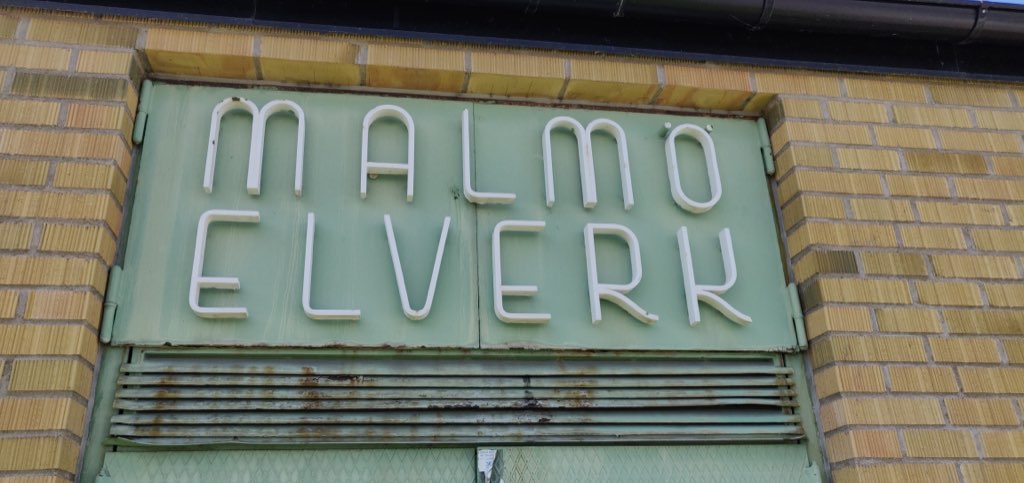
(177, 399)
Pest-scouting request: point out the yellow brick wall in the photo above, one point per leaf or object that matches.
(902, 201)
(66, 112)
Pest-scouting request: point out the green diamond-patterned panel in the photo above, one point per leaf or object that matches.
(699, 464)
(371, 465)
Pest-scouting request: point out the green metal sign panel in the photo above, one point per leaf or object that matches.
(618, 262)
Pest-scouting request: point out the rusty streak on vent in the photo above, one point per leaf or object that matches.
(185, 399)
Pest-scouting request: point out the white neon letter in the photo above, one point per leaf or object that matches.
(400, 276)
(224, 107)
(615, 293)
(709, 293)
(501, 290)
(256, 153)
(585, 146)
(307, 282)
(199, 281)
(367, 167)
(471, 194)
(710, 158)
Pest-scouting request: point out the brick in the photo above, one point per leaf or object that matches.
(837, 319)
(81, 33)
(848, 379)
(1016, 213)
(8, 26)
(980, 141)
(39, 453)
(990, 471)
(1003, 444)
(207, 54)
(999, 240)
(64, 305)
(975, 266)
(970, 95)
(91, 176)
(758, 102)
(959, 213)
(868, 159)
(73, 206)
(881, 210)
(8, 303)
(904, 137)
(829, 182)
(48, 340)
(908, 320)
(1008, 166)
(51, 375)
(992, 380)
(106, 62)
(516, 74)
(931, 116)
(820, 133)
(34, 57)
(794, 155)
(1014, 350)
(886, 263)
(858, 111)
(70, 86)
(964, 349)
(922, 379)
(87, 239)
(796, 83)
(887, 89)
(36, 270)
(989, 189)
(15, 236)
(939, 443)
(309, 60)
(857, 291)
(949, 293)
(939, 162)
(101, 116)
(932, 237)
(1005, 295)
(38, 113)
(903, 473)
(917, 186)
(861, 348)
(605, 80)
(1006, 322)
(801, 108)
(26, 173)
(825, 262)
(852, 411)
(705, 87)
(981, 412)
(415, 68)
(1001, 120)
(812, 206)
(863, 444)
(822, 233)
(42, 414)
(65, 144)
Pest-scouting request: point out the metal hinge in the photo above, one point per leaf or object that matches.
(145, 94)
(766, 147)
(797, 313)
(110, 303)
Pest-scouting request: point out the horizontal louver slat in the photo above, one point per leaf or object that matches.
(197, 399)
